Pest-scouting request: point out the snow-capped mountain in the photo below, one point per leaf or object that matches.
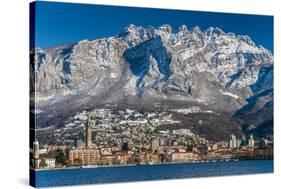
(222, 71)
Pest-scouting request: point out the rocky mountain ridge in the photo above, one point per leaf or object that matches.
(221, 71)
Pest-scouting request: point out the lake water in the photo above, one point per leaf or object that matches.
(149, 172)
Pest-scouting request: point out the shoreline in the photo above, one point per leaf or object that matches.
(144, 164)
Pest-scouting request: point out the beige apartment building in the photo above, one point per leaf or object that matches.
(183, 156)
(84, 156)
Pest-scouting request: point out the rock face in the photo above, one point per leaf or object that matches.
(222, 71)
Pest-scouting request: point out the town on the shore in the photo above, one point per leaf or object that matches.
(104, 137)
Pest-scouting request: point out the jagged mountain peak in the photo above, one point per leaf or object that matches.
(166, 28)
(196, 29)
(133, 28)
(214, 31)
(209, 67)
(217, 71)
(246, 39)
(183, 28)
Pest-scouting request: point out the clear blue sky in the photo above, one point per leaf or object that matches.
(63, 23)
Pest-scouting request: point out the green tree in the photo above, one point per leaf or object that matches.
(59, 155)
(43, 163)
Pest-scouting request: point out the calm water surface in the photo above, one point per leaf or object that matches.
(150, 172)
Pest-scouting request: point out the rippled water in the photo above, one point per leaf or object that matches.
(149, 172)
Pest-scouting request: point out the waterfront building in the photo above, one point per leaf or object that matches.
(213, 156)
(152, 158)
(107, 159)
(122, 157)
(50, 162)
(215, 146)
(263, 143)
(183, 156)
(251, 142)
(195, 149)
(37, 163)
(36, 149)
(84, 156)
(232, 141)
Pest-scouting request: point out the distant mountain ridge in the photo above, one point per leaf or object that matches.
(221, 71)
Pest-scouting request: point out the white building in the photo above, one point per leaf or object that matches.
(155, 144)
(233, 142)
(43, 151)
(50, 162)
(183, 132)
(36, 149)
(251, 142)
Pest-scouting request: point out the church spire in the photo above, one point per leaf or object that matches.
(89, 131)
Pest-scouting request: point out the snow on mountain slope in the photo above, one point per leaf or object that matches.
(211, 67)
